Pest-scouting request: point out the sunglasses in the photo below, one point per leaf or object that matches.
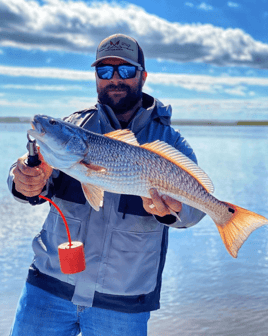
(125, 71)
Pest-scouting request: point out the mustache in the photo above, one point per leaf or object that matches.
(118, 87)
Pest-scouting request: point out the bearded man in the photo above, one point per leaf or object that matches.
(125, 242)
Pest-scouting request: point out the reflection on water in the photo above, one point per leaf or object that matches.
(205, 291)
(19, 224)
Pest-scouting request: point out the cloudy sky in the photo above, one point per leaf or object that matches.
(209, 59)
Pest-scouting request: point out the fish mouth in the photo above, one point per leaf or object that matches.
(37, 131)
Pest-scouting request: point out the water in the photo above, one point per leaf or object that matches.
(205, 291)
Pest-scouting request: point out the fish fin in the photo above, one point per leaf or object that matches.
(94, 195)
(93, 167)
(174, 213)
(172, 154)
(124, 135)
(237, 229)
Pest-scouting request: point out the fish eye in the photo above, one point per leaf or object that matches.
(52, 122)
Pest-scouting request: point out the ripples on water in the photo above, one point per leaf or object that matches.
(205, 291)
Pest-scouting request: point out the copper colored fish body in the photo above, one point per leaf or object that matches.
(115, 162)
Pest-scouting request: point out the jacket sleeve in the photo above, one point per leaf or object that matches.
(189, 216)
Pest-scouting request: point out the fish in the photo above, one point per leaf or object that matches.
(115, 162)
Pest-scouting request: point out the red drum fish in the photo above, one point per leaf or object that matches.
(117, 163)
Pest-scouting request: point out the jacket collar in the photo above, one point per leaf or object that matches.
(152, 109)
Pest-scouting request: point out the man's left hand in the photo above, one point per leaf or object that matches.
(159, 206)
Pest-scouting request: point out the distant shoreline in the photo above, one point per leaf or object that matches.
(15, 120)
(220, 122)
(177, 122)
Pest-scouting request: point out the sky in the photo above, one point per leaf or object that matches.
(208, 59)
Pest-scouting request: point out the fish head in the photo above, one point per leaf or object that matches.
(62, 144)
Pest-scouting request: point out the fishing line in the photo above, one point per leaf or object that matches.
(71, 254)
(62, 216)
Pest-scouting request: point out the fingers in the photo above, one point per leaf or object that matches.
(173, 204)
(26, 170)
(160, 206)
(149, 205)
(29, 181)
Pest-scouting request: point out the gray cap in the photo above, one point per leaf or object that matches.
(120, 46)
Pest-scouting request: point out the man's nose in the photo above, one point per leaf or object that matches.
(116, 77)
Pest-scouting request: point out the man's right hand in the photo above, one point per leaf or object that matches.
(30, 181)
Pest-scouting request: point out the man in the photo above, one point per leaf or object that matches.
(125, 242)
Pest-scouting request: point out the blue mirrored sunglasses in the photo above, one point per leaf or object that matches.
(125, 71)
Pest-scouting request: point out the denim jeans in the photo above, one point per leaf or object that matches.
(40, 313)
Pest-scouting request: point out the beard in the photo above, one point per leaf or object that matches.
(133, 95)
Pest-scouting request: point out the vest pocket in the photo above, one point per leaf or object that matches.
(45, 244)
(133, 262)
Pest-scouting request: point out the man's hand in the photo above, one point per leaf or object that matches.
(29, 181)
(160, 206)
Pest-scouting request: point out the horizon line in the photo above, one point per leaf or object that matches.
(177, 122)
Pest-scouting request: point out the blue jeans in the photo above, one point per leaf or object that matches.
(40, 313)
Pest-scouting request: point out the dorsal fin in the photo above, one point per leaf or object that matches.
(172, 154)
(124, 135)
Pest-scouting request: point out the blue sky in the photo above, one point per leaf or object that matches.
(208, 59)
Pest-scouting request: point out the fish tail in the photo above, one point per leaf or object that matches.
(235, 231)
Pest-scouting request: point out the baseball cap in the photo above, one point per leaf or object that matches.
(120, 46)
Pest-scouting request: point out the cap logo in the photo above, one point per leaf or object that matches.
(114, 44)
(118, 45)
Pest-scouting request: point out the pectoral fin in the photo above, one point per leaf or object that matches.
(92, 167)
(94, 195)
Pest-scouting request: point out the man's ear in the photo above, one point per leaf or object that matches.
(144, 77)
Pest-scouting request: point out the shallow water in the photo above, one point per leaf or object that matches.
(205, 291)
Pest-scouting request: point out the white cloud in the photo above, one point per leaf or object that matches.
(237, 91)
(18, 103)
(60, 107)
(68, 104)
(148, 89)
(43, 87)
(233, 4)
(202, 6)
(210, 84)
(218, 109)
(205, 6)
(77, 26)
(200, 83)
(189, 4)
(74, 75)
(185, 109)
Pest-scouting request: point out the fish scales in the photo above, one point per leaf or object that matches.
(130, 163)
(119, 161)
(130, 168)
(116, 162)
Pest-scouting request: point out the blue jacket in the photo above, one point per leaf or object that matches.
(125, 247)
